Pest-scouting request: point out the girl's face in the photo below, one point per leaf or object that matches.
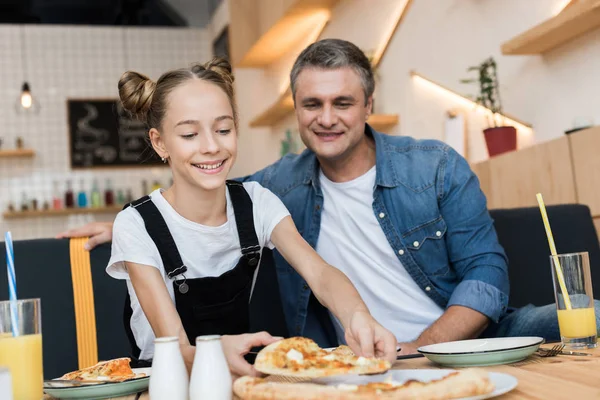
(198, 135)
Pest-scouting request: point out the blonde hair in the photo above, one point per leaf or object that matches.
(146, 100)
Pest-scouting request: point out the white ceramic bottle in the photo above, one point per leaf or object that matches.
(169, 377)
(210, 378)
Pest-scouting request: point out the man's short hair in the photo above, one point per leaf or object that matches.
(334, 54)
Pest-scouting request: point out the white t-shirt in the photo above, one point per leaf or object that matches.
(352, 240)
(205, 250)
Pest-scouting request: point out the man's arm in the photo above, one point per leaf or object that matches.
(475, 255)
(457, 323)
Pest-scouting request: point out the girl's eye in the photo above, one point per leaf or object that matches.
(188, 136)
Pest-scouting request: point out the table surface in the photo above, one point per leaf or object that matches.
(560, 377)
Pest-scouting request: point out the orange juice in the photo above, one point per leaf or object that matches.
(577, 323)
(23, 357)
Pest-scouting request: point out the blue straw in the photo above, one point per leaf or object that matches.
(12, 282)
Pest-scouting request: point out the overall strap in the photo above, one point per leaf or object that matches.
(159, 232)
(244, 220)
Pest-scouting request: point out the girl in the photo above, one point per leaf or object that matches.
(190, 253)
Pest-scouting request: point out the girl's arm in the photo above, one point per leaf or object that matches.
(158, 307)
(335, 291)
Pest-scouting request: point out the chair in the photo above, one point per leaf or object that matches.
(43, 270)
(521, 232)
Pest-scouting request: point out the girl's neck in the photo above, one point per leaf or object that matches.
(205, 207)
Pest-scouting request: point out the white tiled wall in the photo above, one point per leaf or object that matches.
(74, 62)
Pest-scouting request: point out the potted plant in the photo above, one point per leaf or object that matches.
(499, 139)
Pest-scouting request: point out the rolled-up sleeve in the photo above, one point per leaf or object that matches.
(473, 248)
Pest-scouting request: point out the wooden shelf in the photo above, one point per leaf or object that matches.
(261, 32)
(17, 153)
(575, 20)
(60, 213)
(279, 110)
(383, 122)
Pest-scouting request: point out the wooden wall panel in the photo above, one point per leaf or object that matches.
(546, 168)
(482, 170)
(585, 148)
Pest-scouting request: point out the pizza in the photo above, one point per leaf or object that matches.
(459, 384)
(117, 370)
(302, 357)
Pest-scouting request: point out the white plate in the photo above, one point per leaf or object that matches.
(482, 352)
(503, 383)
(104, 390)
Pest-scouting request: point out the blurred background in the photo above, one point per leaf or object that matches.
(512, 85)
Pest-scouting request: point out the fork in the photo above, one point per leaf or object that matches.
(554, 351)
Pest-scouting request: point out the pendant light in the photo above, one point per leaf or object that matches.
(26, 102)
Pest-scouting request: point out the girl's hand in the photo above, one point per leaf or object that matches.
(236, 347)
(367, 338)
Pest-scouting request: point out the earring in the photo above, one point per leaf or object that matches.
(164, 159)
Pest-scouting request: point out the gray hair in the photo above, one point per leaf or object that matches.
(334, 54)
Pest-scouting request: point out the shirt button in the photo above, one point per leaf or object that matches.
(428, 288)
(416, 244)
(317, 207)
(381, 215)
(401, 252)
(438, 234)
(305, 286)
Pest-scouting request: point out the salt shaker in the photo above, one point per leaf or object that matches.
(169, 376)
(210, 378)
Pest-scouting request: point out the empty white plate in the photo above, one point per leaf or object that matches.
(481, 352)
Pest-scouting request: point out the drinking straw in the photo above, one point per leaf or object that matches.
(12, 282)
(559, 272)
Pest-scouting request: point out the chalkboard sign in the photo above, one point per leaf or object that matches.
(102, 134)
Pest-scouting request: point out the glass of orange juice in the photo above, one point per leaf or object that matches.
(575, 308)
(21, 347)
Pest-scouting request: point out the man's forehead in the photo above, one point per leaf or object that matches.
(319, 82)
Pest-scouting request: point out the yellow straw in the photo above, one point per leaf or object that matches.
(559, 273)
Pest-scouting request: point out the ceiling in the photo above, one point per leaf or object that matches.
(102, 12)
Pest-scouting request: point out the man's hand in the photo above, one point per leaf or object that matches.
(98, 232)
(367, 338)
(236, 347)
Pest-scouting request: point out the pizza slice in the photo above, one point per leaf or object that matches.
(302, 357)
(117, 370)
(464, 383)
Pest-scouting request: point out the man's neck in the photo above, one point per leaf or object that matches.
(348, 167)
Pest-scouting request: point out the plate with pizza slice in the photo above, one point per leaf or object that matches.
(466, 384)
(301, 357)
(104, 380)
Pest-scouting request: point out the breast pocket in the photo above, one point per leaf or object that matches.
(427, 245)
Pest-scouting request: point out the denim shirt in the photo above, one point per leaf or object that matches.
(434, 215)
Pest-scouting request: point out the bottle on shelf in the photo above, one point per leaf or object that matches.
(129, 197)
(56, 198)
(82, 196)
(120, 197)
(109, 196)
(69, 198)
(24, 202)
(34, 204)
(155, 185)
(144, 187)
(96, 200)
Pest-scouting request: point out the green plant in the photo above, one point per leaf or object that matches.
(288, 145)
(489, 94)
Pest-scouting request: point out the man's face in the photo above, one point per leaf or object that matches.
(331, 111)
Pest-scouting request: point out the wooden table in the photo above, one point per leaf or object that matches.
(540, 378)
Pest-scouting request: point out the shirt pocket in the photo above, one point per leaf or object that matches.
(427, 245)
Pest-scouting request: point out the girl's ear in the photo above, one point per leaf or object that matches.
(158, 143)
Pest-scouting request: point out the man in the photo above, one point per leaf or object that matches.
(404, 219)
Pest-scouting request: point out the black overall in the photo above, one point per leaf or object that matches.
(212, 305)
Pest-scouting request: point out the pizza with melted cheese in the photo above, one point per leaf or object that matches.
(456, 385)
(302, 357)
(117, 370)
